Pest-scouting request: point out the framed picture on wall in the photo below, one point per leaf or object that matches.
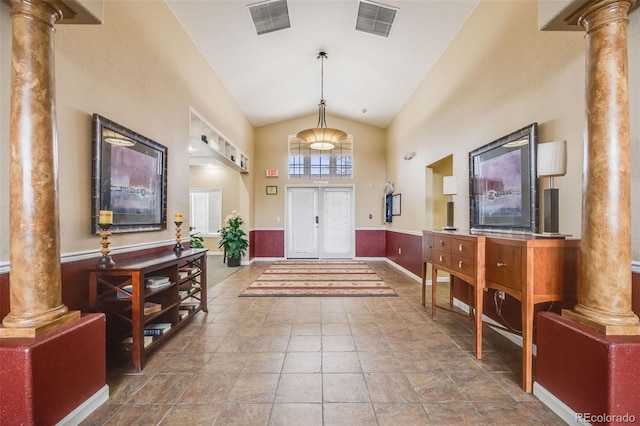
(388, 214)
(396, 205)
(272, 190)
(129, 178)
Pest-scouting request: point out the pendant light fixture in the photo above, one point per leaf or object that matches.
(322, 137)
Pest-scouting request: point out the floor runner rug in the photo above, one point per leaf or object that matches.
(318, 278)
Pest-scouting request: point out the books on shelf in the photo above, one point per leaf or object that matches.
(183, 313)
(127, 342)
(156, 279)
(128, 289)
(157, 329)
(150, 308)
(189, 305)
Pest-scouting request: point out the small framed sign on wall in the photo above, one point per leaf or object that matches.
(272, 190)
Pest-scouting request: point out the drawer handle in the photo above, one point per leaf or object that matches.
(460, 247)
(441, 258)
(500, 264)
(429, 246)
(460, 264)
(441, 242)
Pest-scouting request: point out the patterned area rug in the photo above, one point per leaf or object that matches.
(319, 278)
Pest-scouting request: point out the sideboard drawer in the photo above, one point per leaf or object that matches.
(463, 265)
(441, 259)
(463, 248)
(442, 243)
(504, 264)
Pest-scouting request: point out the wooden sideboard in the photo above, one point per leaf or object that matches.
(531, 270)
(123, 293)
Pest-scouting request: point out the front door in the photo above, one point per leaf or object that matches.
(320, 222)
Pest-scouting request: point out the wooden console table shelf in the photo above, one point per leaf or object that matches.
(123, 293)
(531, 270)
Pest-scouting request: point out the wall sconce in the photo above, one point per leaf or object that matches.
(552, 161)
(409, 155)
(449, 189)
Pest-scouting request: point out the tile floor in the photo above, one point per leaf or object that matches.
(323, 361)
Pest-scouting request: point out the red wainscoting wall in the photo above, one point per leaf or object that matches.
(405, 250)
(370, 242)
(266, 243)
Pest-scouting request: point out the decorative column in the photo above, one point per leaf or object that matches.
(35, 274)
(604, 295)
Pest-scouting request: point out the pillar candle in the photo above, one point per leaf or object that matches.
(106, 217)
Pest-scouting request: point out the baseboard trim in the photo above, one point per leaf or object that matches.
(403, 270)
(557, 406)
(85, 409)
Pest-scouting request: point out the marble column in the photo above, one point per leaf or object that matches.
(35, 273)
(604, 295)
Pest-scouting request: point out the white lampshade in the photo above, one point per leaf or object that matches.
(552, 158)
(449, 185)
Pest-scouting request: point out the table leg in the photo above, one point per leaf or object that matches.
(527, 345)
(424, 283)
(434, 290)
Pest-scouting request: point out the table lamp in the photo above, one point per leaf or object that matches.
(552, 161)
(449, 189)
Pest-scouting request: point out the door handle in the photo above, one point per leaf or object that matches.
(317, 220)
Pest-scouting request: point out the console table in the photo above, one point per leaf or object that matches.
(140, 315)
(531, 270)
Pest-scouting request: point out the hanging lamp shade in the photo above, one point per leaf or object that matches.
(322, 138)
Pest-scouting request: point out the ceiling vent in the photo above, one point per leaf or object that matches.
(269, 16)
(375, 18)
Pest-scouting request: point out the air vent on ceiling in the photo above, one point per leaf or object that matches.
(269, 16)
(375, 18)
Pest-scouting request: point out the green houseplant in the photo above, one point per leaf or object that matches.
(233, 239)
(195, 240)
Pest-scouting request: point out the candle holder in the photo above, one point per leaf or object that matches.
(178, 247)
(105, 261)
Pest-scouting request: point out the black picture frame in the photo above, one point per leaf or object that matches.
(396, 205)
(388, 200)
(129, 178)
(272, 190)
(503, 188)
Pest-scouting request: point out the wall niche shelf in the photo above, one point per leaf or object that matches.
(207, 145)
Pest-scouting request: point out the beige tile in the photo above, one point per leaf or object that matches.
(338, 344)
(349, 414)
(193, 414)
(208, 388)
(225, 362)
(379, 362)
(304, 343)
(370, 343)
(302, 362)
(434, 386)
(186, 362)
(393, 414)
(139, 414)
(454, 413)
(345, 387)
(336, 329)
(263, 362)
(306, 329)
(390, 387)
(341, 362)
(480, 387)
(296, 414)
(244, 415)
(254, 388)
(163, 388)
(299, 387)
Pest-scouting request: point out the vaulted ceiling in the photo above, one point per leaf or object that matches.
(276, 75)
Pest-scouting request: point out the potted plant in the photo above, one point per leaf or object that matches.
(233, 239)
(195, 240)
